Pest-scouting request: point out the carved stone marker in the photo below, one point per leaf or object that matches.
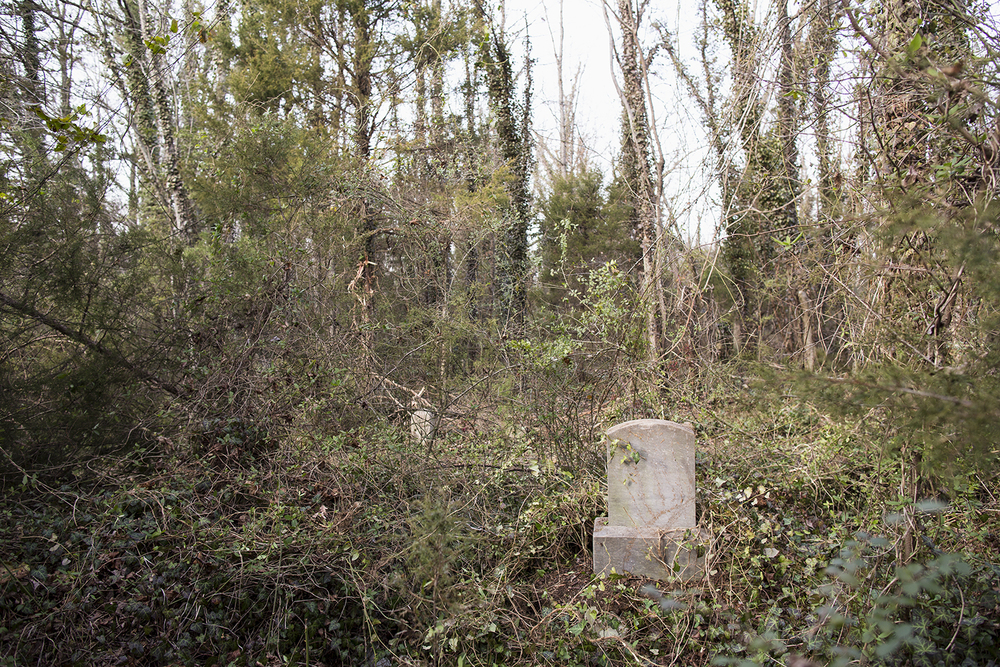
(650, 530)
(421, 426)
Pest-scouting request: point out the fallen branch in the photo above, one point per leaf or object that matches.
(965, 403)
(88, 342)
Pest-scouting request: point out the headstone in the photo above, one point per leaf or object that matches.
(650, 529)
(421, 426)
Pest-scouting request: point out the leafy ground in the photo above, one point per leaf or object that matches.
(361, 548)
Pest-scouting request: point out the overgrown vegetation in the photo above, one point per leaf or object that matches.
(362, 546)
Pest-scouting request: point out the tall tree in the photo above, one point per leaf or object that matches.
(821, 49)
(635, 159)
(569, 156)
(513, 128)
(72, 288)
(760, 207)
(910, 148)
(146, 36)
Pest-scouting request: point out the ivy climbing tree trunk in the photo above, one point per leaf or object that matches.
(514, 139)
(29, 51)
(821, 47)
(739, 245)
(149, 89)
(635, 157)
(361, 92)
(31, 89)
(472, 160)
(788, 117)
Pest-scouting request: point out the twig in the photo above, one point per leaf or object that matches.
(88, 342)
(965, 403)
(861, 31)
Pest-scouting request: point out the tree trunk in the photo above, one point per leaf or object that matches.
(788, 118)
(636, 155)
(513, 136)
(808, 337)
(155, 120)
(75, 334)
(472, 184)
(822, 49)
(361, 93)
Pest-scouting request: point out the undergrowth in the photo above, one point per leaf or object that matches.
(362, 548)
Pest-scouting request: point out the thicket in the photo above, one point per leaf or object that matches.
(283, 381)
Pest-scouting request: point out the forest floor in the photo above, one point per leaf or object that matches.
(363, 548)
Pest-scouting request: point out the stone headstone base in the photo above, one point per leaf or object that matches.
(655, 553)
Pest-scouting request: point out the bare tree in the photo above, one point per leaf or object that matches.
(645, 188)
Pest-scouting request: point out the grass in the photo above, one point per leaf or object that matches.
(359, 547)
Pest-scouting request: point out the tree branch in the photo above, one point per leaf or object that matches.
(88, 342)
(861, 31)
(965, 403)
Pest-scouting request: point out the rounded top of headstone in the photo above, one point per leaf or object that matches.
(646, 424)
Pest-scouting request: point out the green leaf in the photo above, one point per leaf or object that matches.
(173, 26)
(915, 44)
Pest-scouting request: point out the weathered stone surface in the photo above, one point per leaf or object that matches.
(421, 425)
(651, 474)
(656, 553)
(650, 529)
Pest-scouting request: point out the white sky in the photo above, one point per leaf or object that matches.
(587, 47)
